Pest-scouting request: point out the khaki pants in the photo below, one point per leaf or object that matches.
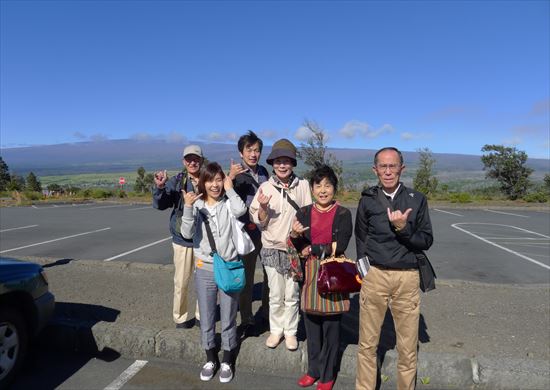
(284, 297)
(184, 264)
(400, 290)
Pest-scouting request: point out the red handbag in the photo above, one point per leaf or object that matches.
(338, 274)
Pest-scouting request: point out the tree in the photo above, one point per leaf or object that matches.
(547, 183)
(507, 166)
(314, 152)
(54, 187)
(424, 181)
(4, 175)
(17, 183)
(143, 181)
(33, 184)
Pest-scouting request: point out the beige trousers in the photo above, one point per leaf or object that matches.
(184, 264)
(284, 299)
(400, 290)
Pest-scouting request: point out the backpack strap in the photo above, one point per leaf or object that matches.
(290, 201)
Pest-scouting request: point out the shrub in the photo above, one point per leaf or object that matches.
(32, 195)
(460, 197)
(99, 193)
(536, 197)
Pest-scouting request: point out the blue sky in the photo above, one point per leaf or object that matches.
(447, 75)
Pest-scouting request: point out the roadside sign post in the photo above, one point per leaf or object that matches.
(122, 181)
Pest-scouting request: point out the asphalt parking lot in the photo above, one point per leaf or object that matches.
(483, 244)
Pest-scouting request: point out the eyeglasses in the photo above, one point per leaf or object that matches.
(391, 167)
(192, 159)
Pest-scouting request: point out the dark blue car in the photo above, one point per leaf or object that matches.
(26, 305)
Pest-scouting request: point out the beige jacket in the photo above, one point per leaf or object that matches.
(280, 214)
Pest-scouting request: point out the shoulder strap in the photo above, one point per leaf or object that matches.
(209, 232)
(292, 202)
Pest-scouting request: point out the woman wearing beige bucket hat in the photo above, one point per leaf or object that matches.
(274, 208)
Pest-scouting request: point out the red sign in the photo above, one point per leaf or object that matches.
(121, 180)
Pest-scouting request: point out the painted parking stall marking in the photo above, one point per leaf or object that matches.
(537, 244)
(54, 240)
(448, 212)
(18, 228)
(126, 375)
(502, 212)
(138, 249)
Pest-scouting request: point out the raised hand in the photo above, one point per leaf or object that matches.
(190, 197)
(297, 228)
(398, 219)
(235, 169)
(227, 183)
(160, 179)
(263, 199)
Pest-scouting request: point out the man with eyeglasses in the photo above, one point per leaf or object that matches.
(392, 223)
(168, 194)
(247, 177)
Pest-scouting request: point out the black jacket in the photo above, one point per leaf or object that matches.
(375, 236)
(342, 228)
(246, 186)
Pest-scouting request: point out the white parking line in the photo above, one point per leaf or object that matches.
(138, 249)
(17, 228)
(126, 375)
(57, 239)
(140, 208)
(448, 212)
(502, 212)
(500, 246)
(106, 207)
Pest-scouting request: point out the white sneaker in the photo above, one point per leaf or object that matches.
(226, 373)
(208, 371)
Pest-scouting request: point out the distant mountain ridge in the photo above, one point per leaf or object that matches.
(128, 155)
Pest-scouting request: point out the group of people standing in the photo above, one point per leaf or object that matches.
(278, 212)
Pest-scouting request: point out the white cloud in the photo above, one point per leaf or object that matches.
(141, 136)
(175, 137)
(363, 130)
(406, 136)
(79, 135)
(268, 134)
(216, 136)
(98, 137)
(302, 134)
(512, 142)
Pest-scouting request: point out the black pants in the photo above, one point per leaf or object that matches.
(323, 343)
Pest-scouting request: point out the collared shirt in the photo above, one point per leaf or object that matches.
(393, 193)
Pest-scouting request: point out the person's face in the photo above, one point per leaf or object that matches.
(388, 169)
(251, 154)
(282, 166)
(323, 192)
(192, 163)
(214, 187)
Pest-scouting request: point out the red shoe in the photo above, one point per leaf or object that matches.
(306, 381)
(325, 386)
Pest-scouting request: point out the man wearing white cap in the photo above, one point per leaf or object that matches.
(167, 194)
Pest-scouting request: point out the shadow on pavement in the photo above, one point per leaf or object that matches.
(65, 346)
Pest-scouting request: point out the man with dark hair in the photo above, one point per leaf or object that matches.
(167, 194)
(391, 225)
(247, 177)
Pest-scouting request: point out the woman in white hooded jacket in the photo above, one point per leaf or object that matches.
(215, 190)
(273, 211)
